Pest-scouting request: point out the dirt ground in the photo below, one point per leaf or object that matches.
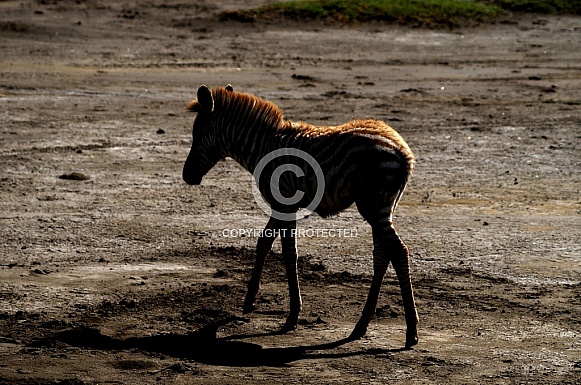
(133, 277)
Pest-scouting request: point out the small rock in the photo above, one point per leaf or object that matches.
(75, 176)
(160, 131)
(130, 304)
(220, 273)
(178, 368)
(72, 381)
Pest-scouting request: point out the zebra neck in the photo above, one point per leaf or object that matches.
(248, 145)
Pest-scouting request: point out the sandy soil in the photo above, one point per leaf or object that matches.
(133, 277)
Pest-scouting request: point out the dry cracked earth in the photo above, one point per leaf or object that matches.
(114, 271)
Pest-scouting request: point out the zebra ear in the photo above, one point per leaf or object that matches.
(229, 88)
(205, 99)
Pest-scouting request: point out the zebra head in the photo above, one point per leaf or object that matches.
(203, 154)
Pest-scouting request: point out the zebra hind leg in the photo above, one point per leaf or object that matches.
(401, 265)
(380, 264)
(371, 303)
(387, 246)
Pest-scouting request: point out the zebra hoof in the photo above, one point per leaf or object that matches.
(248, 308)
(291, 323)
(357, 333)
(288, 327)
(411, 339)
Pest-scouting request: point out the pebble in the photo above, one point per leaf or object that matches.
(75, 176)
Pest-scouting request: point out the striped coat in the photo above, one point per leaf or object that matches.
(364, 162)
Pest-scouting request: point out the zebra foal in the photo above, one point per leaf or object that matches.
(363, 162)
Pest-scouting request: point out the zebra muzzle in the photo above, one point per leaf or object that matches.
(192, 180)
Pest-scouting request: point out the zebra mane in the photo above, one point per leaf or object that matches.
(243, 107)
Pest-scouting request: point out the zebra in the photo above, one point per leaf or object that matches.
(365, 162)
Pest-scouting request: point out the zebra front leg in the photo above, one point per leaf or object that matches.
(263, 246)
(290, 258)
(400, 261)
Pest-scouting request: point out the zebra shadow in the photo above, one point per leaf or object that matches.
(205, 347)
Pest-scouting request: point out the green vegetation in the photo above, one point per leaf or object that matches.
(541, 6)
(419, 12)
(425, 12)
